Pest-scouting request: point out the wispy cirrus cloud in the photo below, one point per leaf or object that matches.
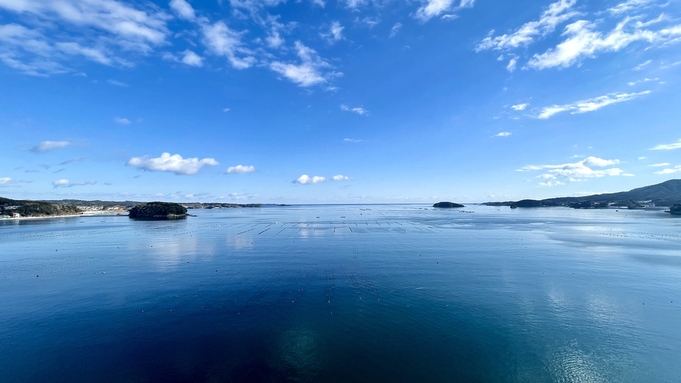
(589, 167)
(434, 8)
(171, 163)
(224, 41)
(312, 69)
(241, 169)
(64, 183)
(586, 37)
(395, 29)
(46, 146)
(557, 13)
(307, 180)
(582, 40)
(122, 120)
(117, 83)
(589, 105)
(107, 32)
(503, 134)
(360, 111)
(340, 177)
(672, 146)
(334, 34)
(519, 107)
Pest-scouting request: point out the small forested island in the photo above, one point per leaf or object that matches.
(448, 205)
(675, 210)
(10, 208)
(158, 211)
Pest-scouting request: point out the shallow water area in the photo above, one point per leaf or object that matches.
(342, 293)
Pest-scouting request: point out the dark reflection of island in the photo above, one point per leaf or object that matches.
(158, 211)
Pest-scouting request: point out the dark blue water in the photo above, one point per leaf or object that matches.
(344, 293)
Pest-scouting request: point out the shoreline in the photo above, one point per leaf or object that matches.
(85, 214)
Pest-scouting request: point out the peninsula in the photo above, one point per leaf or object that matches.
(10, 208)
(665, 194)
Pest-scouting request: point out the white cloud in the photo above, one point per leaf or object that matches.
(675, 145)
(183, 9)
(551, 183)
(519, 107)
(254, 5)
(503, 134)
(629, 5)
(556, 14)
(117, 83)
(642, 158)
(642, 65)
(641, 81)
(512, 64)
(223, 41)
(360, 111)
(309, 72)
(581, 41)
(433, 8)
(334, 34)
(351, 140)
(64, 183)
(660, 165)
(5, 182)
(192, 59)
(675, 169)
(396, 28)
(340, 177)
(49, 145)
(226, 110)
(307, 180)
(577, 171)
(355, 4)
(589, 105)
(102, 31)
(31, 52)
(122, 120)
(171, 163)
(241, 169)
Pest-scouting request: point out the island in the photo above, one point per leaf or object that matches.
(155, 211)
(675, 210)
(448, 205)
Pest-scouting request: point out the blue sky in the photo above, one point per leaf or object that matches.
(352, 101)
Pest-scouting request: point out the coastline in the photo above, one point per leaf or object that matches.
(84, 214)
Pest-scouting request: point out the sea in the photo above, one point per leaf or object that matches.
(344, 293)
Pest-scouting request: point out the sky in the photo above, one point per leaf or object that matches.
(348, 101)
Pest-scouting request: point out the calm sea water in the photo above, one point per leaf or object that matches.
(344, 294)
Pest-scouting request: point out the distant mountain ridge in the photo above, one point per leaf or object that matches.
(667, 193)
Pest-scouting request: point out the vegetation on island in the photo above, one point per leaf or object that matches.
(448, 205)
(158, 211)
(10, 208)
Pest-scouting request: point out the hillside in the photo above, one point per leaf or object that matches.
(666, 193)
